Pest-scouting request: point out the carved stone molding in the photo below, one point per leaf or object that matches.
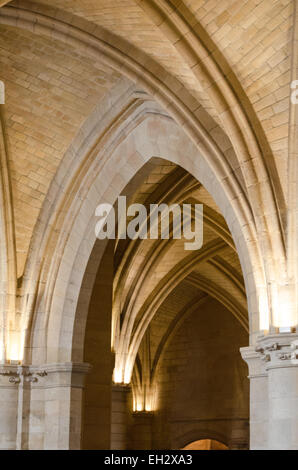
(121, 387)
(252, 358)
(278, 350)
(21, 373)
(32, 374)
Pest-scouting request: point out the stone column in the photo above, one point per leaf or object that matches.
(280, 354)
(63, 395)
(8, 407)
(119, 417)
(55, 414)
(141, 430)
(41, 406)
(274, 391)
(258, 395)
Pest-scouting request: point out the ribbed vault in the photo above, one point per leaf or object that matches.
(149, 274)
(78, 86)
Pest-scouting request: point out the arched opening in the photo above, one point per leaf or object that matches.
(145, 272)
(170, 113)
(97, 352)
(175, 320)
(206, 444)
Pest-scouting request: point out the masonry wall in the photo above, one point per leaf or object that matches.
(97, 400)
(203, 385)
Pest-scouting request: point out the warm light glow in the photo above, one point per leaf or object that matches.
(264, 311)
(142, 404)
(281, 303)
(113, 333)
(138, 402)
(14, 353)
(139, 407)
(127, 379)
(283, 307)
(1, 351)
(15, 347)
(127, 373)
(117, 376)
(206, 444)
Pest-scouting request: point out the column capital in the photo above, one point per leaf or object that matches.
(278, 350)
(16, 373)
(121, 387)
(66, 373)
(256, 367)
(146, 415)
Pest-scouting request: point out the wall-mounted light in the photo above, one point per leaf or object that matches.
(128, 372)
(283, 307)
(264, 310)
(14, 355)
(277, 308)
(142, 403)
(117, 376)
(15, 347)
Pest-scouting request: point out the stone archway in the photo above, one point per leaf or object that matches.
(206, 444)
(173, 186)
(65, 329)
(87, 109)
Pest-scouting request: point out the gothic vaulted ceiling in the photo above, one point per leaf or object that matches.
(212, 55)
